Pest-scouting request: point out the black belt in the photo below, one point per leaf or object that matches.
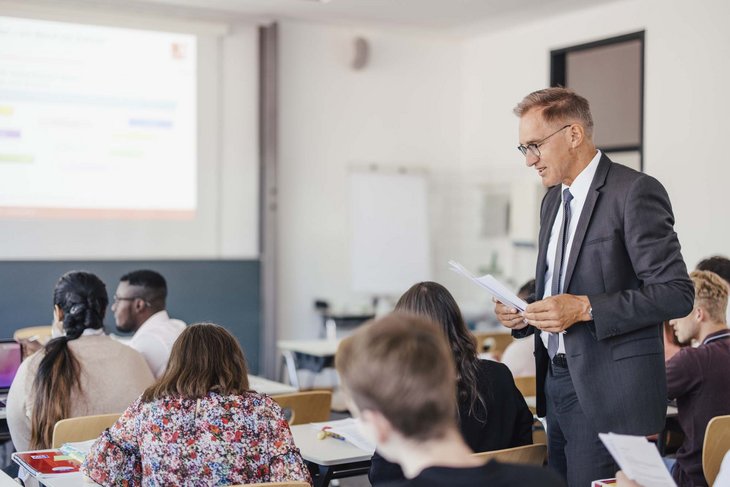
(559, 360)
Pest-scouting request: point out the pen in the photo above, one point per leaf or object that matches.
(324, 433)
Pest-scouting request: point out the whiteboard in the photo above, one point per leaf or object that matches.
(390, 245)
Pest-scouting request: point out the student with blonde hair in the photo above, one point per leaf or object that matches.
(399, 377)
(199, 424)
(697, 377)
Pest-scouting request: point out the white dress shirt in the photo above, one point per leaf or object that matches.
(154, 340)
(579, 190)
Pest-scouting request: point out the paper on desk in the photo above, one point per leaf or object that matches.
(492, 285)
(638, 458)
(350, 429)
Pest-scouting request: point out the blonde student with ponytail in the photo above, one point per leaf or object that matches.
(80, 372)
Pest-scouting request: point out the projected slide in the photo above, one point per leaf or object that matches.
(96, 122)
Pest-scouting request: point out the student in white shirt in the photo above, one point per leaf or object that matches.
(139, 307)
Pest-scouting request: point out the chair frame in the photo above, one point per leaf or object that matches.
(306, 406)
(715, 445)
(535, 454)
(500, 341)
(82, 428)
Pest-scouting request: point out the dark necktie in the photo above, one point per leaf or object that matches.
(553, 338)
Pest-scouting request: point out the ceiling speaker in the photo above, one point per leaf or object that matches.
(361, 53)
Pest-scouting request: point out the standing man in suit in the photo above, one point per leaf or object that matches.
(609, 271)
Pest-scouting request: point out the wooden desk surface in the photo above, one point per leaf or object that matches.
(328, 451)
(316, 348)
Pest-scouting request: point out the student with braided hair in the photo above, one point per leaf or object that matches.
(80, 372)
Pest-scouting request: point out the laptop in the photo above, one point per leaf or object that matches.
(10, 358)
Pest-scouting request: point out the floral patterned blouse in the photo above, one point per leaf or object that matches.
(215, 440)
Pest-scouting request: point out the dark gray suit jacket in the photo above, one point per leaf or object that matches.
(626, 258)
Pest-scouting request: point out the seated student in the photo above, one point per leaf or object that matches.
(80, 372)
(492, 414)
(139, 306)
(519, 356)
(697, 377)
(199, 424)
(719, 265)
(399, 377)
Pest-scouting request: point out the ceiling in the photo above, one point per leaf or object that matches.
(444, 16)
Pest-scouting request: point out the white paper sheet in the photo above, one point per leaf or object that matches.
(492, 285)
(350, 429)
(638, 458)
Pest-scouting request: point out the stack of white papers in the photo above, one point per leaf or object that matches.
(501, 292)
(350, 430)
(639, 459)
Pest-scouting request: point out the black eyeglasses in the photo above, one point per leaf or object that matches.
(116, 299)
(535, 146)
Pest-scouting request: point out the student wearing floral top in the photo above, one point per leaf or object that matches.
(199, 424)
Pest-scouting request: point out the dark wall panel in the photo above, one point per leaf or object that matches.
(222, 291)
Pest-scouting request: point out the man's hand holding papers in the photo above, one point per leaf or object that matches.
(558, 313)
(509, 307)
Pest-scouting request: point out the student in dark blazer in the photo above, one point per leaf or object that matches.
(609, 272)
(492, 414)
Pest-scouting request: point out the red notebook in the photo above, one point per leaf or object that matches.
(46, 462)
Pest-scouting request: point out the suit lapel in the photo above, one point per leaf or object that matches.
(552, 203)
(585, 217)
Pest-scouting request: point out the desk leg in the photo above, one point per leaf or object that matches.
(324, 477)
(288, 363)
(323, 474)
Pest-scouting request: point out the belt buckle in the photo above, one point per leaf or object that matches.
(559, 360)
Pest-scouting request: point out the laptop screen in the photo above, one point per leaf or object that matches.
(10, 357)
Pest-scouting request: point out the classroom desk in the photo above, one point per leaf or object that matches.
(315, 354)
(6, 480)
(68, 480)
(329, 458)
(270, 387)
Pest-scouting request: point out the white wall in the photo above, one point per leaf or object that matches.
(402, 109)
(686, 78)
(448, 107)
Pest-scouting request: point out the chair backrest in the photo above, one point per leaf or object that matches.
(716, 444)
(32, 338)
(293, 483)
(527, 454)
(527, 385)
(306, 407)
(496, 342)
(82, 428)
